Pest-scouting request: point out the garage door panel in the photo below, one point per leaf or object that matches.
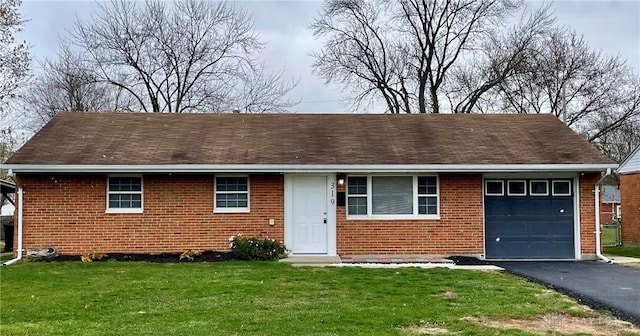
(494, 206)
(529, 227)
(560, 230)
(506, 228)
(518, 206)
(564, 248)
(539, 207)
(552, 227)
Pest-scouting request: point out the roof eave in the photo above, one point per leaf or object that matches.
(304, 168)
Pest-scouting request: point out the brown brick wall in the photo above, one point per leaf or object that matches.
(630, 217)
(588, 213)
(459, 230)
(68, 211)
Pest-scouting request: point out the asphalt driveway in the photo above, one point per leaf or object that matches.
(596, 284)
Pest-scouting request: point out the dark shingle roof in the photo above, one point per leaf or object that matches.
(140, 138)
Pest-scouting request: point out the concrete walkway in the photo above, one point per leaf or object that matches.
(383, 261)
(596, 284)
(623, 260)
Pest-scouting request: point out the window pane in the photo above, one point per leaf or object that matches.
(427, 205)
(239, 200)
(125, 201)
(562, 188)
(517, 187)
(539, 188)
(231, 183)
(357, 206)
(125, 183)
(494, 188)
(357, 185)
(427, 185)
(392, 195)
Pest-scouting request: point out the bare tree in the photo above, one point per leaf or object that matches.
(595, 94)
(14, 70)
(616, 129)
(67, 83)
(622, 140)
(497, 59)
(186, 56)
(14, 56)
(402, 51)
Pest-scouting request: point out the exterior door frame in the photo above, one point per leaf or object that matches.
(331, 211)
(575, 181)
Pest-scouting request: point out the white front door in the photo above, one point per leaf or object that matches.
(309, 218)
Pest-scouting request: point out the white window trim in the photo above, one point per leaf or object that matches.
(546, 182)
(486, 190)
(246, 209)
(553, 187)
(125, 210)
(369, 196)
(509, 193)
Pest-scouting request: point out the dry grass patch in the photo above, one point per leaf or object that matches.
(448, 295)
(561, 324)
(425, 330)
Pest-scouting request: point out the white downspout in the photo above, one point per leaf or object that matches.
(19, 254)
(599, 254)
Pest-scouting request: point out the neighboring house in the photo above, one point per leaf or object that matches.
(497, 186)
(609, 203)
(629, 175)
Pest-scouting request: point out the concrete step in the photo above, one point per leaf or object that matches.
(395, 259)
(311, 260)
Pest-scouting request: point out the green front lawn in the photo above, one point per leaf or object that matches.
(624, 251)
(261, 298)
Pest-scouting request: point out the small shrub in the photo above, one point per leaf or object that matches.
(256, 248)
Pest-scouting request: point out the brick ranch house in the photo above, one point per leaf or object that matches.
(629, 176)
(495, 186)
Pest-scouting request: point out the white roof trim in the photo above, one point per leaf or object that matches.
(292, 168)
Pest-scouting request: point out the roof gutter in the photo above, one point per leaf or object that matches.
(304, 168)
(599, 254)
(20, 193)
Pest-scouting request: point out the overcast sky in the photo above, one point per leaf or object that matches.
(610, 26)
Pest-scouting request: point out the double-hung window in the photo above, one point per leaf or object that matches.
(231, 194)
(124, 194)
(405, 196)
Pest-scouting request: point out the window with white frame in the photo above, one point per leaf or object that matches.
(124, 194)
(427, 195)
(392, 196)
(231, 194)
(357, 191)
(494, 187)
(517, 188)
(539, 188)
(561, 188)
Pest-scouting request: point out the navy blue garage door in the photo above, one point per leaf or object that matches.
(529, 219)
